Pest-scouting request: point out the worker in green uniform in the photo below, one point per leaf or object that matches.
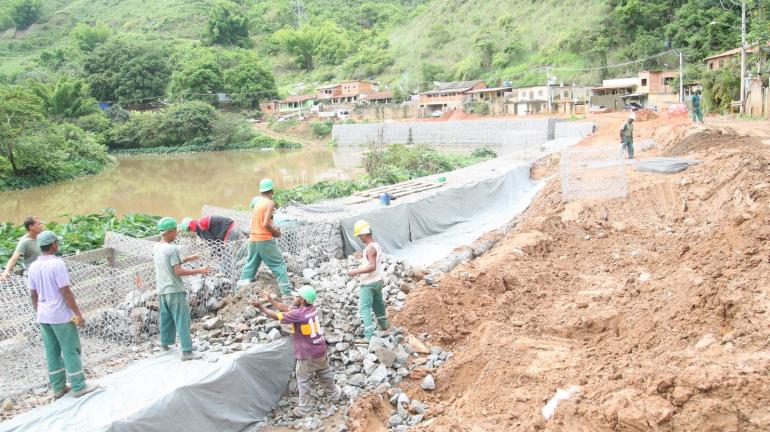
(627, 135)
(697, 112)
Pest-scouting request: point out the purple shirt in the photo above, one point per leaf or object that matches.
(48, 275)
(309, 342)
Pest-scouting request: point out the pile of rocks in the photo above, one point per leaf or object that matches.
(137, 318)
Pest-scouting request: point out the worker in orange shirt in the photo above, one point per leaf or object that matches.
(262, 246)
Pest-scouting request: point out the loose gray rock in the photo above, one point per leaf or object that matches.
(213, 323)
(379, 375)
(395, 420)
(274, 335)
(385, 356)
(428, 383)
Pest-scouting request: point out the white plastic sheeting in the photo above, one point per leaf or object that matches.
(163, 393)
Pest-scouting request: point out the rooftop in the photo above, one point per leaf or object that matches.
(378, 96)
(299, 98)
(453, 87)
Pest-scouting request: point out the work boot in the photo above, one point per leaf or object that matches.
(191, 356)
(301, 412)
(60, 393)
(165, 347)
(87, 389)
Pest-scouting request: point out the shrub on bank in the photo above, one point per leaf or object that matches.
(321, 129)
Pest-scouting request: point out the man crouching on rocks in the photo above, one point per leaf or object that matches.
(309, 344)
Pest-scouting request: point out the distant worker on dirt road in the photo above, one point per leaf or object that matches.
(59, 318)
(309, 345)
(370, 282)
(697, 110)
(262, 246)
(27, 248)
(627, 135)
(174, 310)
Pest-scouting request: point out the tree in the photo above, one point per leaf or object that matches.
(487, 46)
(250, 81)
(226, 26)
(122, 71)
(87, 38)
(325, 43)
(199, 75)
(21, 111)
(25, 12)
(68, 98)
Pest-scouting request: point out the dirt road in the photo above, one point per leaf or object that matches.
(655, 306)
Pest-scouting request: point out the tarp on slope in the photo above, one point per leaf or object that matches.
(401, 226)
(163, 393)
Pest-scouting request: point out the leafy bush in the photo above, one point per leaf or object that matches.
(481, 108)
(87, 37)
(226, 25)
(82, 233)
(96, 122)
(483, 153)
(321, 129)
(25, 12)
(176, 125)
(229, 128)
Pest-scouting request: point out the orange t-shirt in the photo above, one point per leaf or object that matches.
(259, 232)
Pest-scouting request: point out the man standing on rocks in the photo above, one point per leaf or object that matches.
(27, 248)
(309, 345)
(174, 310)
(627, 135)
(370, 288)
(262, 246)
(59, 317)
(697, 110)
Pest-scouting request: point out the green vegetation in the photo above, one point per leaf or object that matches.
(82, 233)
(321, 129)
(384, 166)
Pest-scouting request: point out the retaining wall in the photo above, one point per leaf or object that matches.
(467, 132)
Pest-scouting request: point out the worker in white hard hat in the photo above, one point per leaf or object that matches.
(627, 135)
(370, 280)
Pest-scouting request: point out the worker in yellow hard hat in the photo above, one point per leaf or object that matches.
(370, 280)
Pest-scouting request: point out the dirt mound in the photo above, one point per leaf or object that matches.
(369, 414)
(645, 115)
(655, 306)
(711, 139)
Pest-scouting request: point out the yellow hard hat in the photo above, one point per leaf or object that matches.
(361, 227)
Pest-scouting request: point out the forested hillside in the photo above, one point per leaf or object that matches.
(405, 42)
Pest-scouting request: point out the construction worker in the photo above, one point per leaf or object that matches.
(370, 281)
(174, 310)
(217, 229)
(27, 248)
(627, 135)
(262, 246)
(309, 345)
(59, 317)
(213, 228)
(697, 112)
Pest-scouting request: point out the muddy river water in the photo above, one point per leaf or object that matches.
(177, 185)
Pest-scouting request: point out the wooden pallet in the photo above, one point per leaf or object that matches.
(399, 190)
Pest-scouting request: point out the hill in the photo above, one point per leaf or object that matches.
(405, 42)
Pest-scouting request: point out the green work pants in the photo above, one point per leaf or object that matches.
(628, 145)
(62, 354)
(370, 297)
(175, 320)
(697, 115)
(268, 252)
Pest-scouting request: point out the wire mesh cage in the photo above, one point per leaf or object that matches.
(593, 172)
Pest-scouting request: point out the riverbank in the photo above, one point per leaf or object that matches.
(260, 142)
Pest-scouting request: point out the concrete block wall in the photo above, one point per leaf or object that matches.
(573, 129)
(469, 132)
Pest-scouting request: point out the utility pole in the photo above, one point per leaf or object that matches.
(743, 56)
(548, 89)
(681, 78)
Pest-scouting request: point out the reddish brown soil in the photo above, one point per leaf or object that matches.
(656, 306)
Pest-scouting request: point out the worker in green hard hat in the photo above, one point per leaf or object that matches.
(174, 310)
(309, 345)
(262, 246)
(697, 110)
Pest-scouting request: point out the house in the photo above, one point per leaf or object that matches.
(348, 92)
(528, 100)
(296, 103)
(648, 88)
(383, 97)
(490, 94)
(448, 96)
(269, 107)
(720, 60)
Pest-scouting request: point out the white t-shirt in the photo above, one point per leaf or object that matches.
(376, 275)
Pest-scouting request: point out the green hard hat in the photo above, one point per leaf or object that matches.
(166, 224)
(308, 293)
(265, 185)
(47, 237)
